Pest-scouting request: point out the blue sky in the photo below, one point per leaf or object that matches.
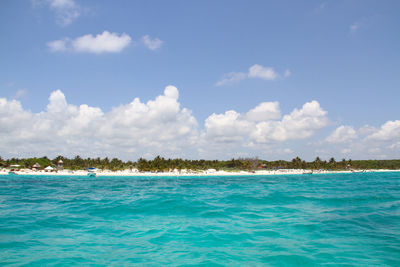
(340, 57)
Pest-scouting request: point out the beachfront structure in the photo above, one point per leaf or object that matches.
(15, 167)
(36, 166)
(60, 165)
(49, 169)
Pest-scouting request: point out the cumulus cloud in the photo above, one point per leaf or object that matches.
(342, 134)
(161, 126)
(366, 142)
(299, 124)
(262, 124)
(101, 43)
(152, 44)
(389, 131)
(265, 73)
(105, 42)
(255, 71)
(227, 127)
(264, 111)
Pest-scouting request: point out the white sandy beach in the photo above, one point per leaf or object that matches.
(211, 172)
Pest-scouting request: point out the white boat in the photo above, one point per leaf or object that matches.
(91, 172)
(307, 172)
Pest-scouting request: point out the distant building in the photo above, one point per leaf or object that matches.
(60, 165)
(49, 169)
(15, 167)
(36, 166)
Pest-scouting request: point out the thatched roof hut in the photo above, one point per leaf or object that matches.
(36, 166)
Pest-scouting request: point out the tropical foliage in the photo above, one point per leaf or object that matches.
(159, 164)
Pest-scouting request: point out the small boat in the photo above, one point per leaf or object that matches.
(91, 172)
(307, 172)
(12, 173)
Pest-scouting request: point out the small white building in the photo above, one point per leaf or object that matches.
(49, 169)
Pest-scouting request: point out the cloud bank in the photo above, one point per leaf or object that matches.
(163, 127)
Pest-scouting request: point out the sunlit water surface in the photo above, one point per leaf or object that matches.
(303, 220)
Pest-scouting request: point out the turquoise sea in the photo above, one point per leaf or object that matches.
(297, 220)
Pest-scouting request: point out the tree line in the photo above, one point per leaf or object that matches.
(159, 164)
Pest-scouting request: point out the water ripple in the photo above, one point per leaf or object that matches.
(343, 219)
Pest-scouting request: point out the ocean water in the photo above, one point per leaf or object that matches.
(298, 220)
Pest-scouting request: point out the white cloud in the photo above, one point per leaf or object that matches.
(101, 43)
(264, 111)
(342, 134)
(395, 146)
(255, 71)
(299, 124)
(159, 126)
(367, 130)
(11, 115)
(260, 131)
(260, 125)
(152, 44)
(366, 142)
(265, 73)
(66, 11)
(162, 126)
(57, 102)
(346, 151)
(58, 45)
(389, 131)
(231, 78)
(105, 42)
(227, 127)
(287, 151)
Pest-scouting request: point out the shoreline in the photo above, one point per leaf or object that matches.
(127, 173)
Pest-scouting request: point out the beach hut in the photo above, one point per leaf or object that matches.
(49, 169)
(36, 166)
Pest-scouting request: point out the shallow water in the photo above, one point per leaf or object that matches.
(298, 220)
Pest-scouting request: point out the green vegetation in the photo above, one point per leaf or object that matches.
(159, 164)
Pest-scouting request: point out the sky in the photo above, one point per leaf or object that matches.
(200, 79)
